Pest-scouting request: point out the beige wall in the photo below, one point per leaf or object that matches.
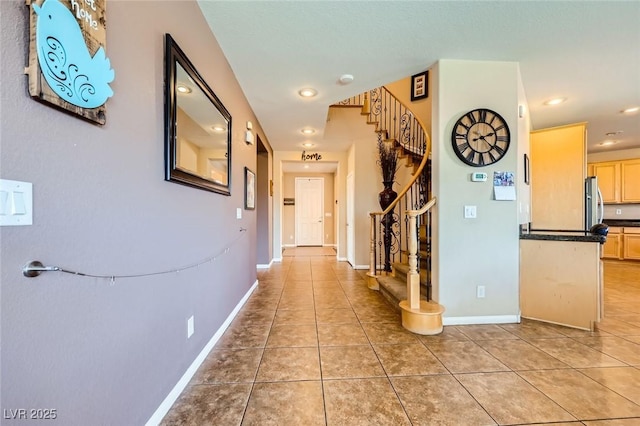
(367, 185)
(288, 212)
(482, 251)
(623, 154)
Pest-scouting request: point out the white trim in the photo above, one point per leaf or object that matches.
(342, 259)
(276, 260)
(360, 267)
(289, 245)
(329, 245)
(265, 265)
(165, 406)
(490, 319)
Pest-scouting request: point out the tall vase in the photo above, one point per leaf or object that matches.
(385, 198)
(387, 195)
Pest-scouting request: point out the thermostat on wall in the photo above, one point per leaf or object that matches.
(478, 177)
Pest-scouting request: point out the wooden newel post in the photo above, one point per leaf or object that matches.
(372, 246)
(413, 277)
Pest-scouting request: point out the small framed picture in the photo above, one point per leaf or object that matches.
(420, 86)
(249, 189)
(527, 171)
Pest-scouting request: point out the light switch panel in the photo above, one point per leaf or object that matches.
(16, 203)
(470, 212)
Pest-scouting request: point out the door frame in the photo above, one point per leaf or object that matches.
(350, 225)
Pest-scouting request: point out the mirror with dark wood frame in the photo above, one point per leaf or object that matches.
(197, 127)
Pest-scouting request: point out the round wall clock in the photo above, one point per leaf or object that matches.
(480, 137)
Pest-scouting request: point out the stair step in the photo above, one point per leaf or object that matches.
(402, 269)
(394, 290)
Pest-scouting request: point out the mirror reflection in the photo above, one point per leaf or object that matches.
(201, 132)
(198, 128)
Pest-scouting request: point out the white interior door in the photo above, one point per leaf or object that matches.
(309, 211)
(351, 248)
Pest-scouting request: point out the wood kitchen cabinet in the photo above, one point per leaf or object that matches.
(619, 181)
(631, 243)
(630, 179)
(612, 249)
(561, 282)
(608, 180)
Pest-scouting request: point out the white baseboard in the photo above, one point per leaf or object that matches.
(276, 260)
(265, 265)
(361, 267)
(329, 245)
(490, 319)
(289, 245)
(342, 259)
(165, 406)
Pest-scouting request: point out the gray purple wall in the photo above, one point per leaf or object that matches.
(100, 353)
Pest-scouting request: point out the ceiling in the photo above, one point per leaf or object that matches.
(586, 52)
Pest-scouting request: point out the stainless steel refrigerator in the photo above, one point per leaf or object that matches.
(594, 206)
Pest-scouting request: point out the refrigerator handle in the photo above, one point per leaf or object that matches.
(600, 207)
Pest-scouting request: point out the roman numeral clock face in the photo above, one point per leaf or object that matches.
(480, 137)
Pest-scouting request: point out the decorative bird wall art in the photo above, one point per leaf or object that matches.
(65, 60)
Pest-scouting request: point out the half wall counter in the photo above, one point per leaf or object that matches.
(561, 277)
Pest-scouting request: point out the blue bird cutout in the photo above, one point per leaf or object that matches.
(65, 61)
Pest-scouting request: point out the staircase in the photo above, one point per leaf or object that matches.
(400, 248)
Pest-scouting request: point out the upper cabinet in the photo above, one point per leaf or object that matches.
(619, 181)
(608, 180)
(630, 188)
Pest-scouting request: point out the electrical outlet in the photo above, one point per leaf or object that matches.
(190, 327)
(618, 211)
(480, 292)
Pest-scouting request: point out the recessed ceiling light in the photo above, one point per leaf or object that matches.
(617, 132)
(308, 131)
(307, 92)
(308, 145)
(346, 78)
(183, 89)
(607, 143)
(218, 128)
(631, 110)
(555, 101)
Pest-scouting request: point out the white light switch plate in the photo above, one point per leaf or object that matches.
(470, 212)
(238, 213)
(16, 203)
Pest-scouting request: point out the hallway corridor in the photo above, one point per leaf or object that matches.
(314, 346)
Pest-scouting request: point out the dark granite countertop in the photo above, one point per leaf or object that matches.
(578, 236)
(622, 222)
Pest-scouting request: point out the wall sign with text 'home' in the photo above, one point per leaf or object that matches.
(68, 66)
(310, 157)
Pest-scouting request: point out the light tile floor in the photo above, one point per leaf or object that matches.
(314, 346)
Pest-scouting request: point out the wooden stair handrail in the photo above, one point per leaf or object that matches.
(423, 209)
(416, 175)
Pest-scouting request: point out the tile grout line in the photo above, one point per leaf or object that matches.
(255, 377)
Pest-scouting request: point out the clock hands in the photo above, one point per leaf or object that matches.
(482, 137)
